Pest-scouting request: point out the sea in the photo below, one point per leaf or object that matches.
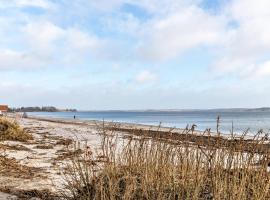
(238, 121)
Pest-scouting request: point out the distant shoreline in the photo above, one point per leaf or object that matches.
(54, 109)
(262, 109)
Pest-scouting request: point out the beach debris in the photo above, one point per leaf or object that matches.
(30, 194)
(45, 146)
(64, 141)
(12, 168)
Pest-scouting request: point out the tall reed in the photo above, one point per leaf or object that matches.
(140, 167)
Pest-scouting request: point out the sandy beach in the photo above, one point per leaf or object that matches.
(40, 163)
(42, 156)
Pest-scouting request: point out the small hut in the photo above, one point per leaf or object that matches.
(3, 109)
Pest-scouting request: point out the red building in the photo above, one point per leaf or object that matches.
(3, 108)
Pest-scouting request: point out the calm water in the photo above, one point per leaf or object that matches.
(242, 120)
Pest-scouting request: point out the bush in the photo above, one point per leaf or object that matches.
(10, 130)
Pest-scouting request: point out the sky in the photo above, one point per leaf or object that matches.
(135, 54)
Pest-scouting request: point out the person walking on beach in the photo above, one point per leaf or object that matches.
(74, 116)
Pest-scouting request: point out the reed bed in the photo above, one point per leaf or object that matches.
(146, 166)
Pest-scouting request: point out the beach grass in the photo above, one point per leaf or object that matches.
(10, 130)
(140, 167)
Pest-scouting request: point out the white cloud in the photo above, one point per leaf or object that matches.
(10, 60)
(82, 41)
(42, 36)
(42, 43)
(263, 70)
(170, 29)
(173, 28)
(46, 37)
(146, 77)
(35, 3)
(45, 4)
(178, 32)
(164, 7)
(246, 10)
(246, 44)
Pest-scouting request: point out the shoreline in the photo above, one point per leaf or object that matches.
(127, 125)
(173, 135)
(238, 122)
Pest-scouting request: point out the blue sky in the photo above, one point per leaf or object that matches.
(135, 54)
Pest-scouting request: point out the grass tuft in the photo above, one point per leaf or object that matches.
(10, 130)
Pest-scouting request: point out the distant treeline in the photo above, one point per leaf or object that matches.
(40, 109)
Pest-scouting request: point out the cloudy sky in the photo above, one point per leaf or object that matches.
(135, 54)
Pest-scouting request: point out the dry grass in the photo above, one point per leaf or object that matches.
(69, 154)
(10, 130)
(44, 146)
(12, 168)
(206, 138)
(147, 168)
(17, 147)
(30, 194)
(64, 141)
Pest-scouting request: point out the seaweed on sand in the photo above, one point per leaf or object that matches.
(12, 168)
